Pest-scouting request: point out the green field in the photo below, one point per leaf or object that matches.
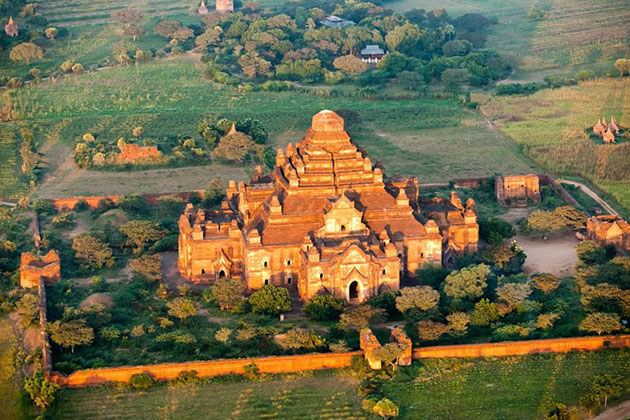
(321, 396)
(500, 388)
(558, 43)
(551, 125)
(429, 138)
(14, 406)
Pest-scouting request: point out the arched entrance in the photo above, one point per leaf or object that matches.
(222, 274)
(353, 291)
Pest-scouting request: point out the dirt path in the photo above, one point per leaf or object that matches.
(554, 255)
(622, 411)
(591, 194)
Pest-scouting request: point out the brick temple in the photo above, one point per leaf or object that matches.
(324, 218)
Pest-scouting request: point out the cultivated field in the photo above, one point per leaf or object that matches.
(520, 387)
(550, 127)
(321, 396)
(9, 167)
(14, 406)
(432, 139)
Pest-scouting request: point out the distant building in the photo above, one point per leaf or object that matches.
(372, 54)
(225, 6)
(333, 21)
(203, 10)
(11, 28)
(608, 136)
(33, 267)
(133, 153)
(609, 230)
(516, 190)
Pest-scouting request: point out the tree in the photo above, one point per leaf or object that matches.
(493, 230)
(234, 147)
(270, 300)
(350, 64)
(385, 408)
(51, 32)
(223, 335)
(209, 37)
(484, 313)
(167, 28)
(608, 385)
(514, 293)
(389, 353)
(357, 317)
(600, 323)
(26, 51)
(127, 17)
(545, 221)
(182, 308)
(469, 282)
(409, 80)
(400, 34)
(545, 321)
(71, 333)
(419, 297)
(458, 322)
(91, 252)
(228, 293)
(141, 233)
(148, 266)
(134, 32)
(623, 65)
(41, 391)
(456, 47)
(300, 338)
(28, 308)
(253, 66)
(454, 78)
(546, 282)
(431, 330)
(324, 307)
(183, 34)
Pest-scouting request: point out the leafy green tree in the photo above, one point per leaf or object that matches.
(28, 308)
(270, 300)
(458, 322)
(148, 266)
(601, 323)
(127, 17)
(41, 391)
(182, 308)
(513, 293)
(141, 380)
(350, 64)
(484, 313)
(300, 338)
(494, 230)
(228, 293)
(26, 52)
(431, 330)
(71, 333)
(357, 317)
(468, 282)
(454, 78)
(323, 307)
(423, 298)
(91, 252)
(167, 28)
(140, 233)
(546, 282)
(223, 335)
(389, 353)
(607, 386)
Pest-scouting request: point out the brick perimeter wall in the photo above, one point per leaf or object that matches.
(283, 364)
(274, 364)
(514, 348)
(93, 202)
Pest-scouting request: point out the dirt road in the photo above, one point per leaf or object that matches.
(591, 194)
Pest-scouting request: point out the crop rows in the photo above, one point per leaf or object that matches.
(9, 182)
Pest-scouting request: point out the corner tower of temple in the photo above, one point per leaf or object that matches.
(324, 218)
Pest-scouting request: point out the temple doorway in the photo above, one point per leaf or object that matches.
(222, 274)
(353, 291)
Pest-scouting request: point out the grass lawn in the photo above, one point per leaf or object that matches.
(12, 400)
(323, 395)
(429, 138)
(520, 387)
(502, 388)
(550, 127)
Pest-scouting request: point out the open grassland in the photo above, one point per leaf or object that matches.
(320, 396)
(559, 42)
(521, 387)
(10, 183)
(12, 401)
(550, 128)
(502, 388)
(429, 138)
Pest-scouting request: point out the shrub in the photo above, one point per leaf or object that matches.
(484, 313)
(141, 381)
(251, 371)
(186, 378)
(41, 391)
(430, 330)
(357, 317)
(323, 307)
(546, 282)
(299, 338)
